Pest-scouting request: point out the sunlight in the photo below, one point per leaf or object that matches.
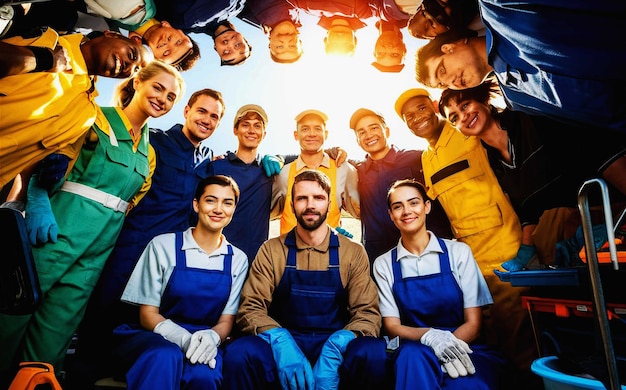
(336, 85)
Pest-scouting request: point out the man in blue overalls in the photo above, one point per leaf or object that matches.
(306, 305)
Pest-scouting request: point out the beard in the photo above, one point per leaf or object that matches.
(308, 224)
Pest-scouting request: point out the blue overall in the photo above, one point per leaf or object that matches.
(194, 299)
(311, 305)
(435, 301)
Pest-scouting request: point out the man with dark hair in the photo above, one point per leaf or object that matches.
(383, 165)
(309, 303)
(544, 62)
(280, 21)
(48, 91)
(246, 166)
(209, 17)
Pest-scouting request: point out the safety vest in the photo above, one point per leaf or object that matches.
(288, 218)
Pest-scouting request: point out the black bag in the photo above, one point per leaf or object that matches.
(19, 285)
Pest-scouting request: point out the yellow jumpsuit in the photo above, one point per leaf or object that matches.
(457, 172)
(43, 113)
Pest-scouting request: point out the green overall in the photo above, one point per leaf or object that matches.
(69, 269)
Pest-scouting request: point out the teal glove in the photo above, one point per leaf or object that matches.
(294, 369)
(525, 253)
(272, 165)
(344, 232)
(40, 223)
(567, 250)
(326, 370)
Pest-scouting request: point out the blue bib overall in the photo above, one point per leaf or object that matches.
(435, 301)
(194, 298)
(310, 304)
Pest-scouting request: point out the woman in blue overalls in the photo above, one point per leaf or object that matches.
(87, 210)
(431, 292)
(187, 286)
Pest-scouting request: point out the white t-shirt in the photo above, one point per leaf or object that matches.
(156, 264)
(462, 264)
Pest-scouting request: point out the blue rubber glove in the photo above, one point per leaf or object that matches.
(271, 165)
(294, 369)
(326, 370)
(52, 169)
(344, 232)
(567, 250)
(40, 222)
(524, 254)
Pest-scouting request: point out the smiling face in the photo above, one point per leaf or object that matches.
(423, 25)
(408, 209)
(285, 43)
(114, 55)
(250, 131)
(230, 45)
(459, 67)
(470, 116)
(157, 95)
(371, 135)
(311, 133)
(215, 207)
(421, 118)
(202, 118)
(389, 49)
(168, 44)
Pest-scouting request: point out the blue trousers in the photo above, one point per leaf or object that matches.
(249, 364)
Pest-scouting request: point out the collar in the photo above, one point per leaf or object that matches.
(432, 247)
(141, 30)
(300, 165)
(322, 247)
(390, 158)
(231, 156)
(190, 243)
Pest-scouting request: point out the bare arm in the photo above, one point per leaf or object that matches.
(149, 316)
(23, 59)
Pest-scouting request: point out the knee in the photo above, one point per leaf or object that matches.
(417, 352)
(366, 349)
(247, 351)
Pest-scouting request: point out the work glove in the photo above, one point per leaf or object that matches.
(174, 333)
(343, 232)
(203, 347)
(272, 165)
(40, 222)
(294, 369)
(52, 169)
(326, 370)
(451, 352)
(525, 253)
(567, 251)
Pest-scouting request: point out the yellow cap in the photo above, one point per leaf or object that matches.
(311, 112)
(408, 95)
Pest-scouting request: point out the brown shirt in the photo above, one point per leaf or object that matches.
(267, 270)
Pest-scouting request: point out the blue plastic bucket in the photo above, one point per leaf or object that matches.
(547, 368)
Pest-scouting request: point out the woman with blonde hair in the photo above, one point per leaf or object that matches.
(73, 224)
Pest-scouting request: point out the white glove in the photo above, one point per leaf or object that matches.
(174, 333)
(203, 347)
(451, 352)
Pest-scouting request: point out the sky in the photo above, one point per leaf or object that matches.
(336, 86)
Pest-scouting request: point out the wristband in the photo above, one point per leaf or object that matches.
(44, 60)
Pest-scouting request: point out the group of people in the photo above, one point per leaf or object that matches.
(168, 27)
(136, 232)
